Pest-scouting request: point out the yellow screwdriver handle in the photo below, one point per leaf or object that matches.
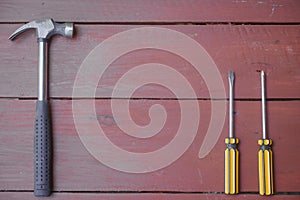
(231, 166)
(265, 167)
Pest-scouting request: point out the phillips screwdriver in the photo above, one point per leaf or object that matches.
(231, 152)
(265, 162)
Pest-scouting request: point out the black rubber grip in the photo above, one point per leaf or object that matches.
(42, 150)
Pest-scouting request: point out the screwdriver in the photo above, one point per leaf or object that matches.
(265, 162)
(231, 152)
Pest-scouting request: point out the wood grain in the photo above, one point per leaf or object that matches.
(91, 196)
(152, 11)
(245, 49)
(76, 170)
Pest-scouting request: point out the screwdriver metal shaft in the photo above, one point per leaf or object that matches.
(231, 82)
(231, 152)
(263, 105)
(265, 154)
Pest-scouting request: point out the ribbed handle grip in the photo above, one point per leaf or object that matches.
(42, 150)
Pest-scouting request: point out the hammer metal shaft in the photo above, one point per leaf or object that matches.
(43, 71)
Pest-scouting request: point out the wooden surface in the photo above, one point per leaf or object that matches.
(92, 196)
(151, 196)
(195, 174)
(147, 11)
(245, 36)
(244, 49)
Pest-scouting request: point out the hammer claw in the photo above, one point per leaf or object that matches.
(22, 29)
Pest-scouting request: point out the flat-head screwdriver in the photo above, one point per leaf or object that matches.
(231, 152)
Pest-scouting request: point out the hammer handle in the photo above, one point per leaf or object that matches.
(42, 150)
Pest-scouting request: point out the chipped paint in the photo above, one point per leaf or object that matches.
(274, 6)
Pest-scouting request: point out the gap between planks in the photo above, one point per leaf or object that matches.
(149, 192)
(174, 23)
(142, 98)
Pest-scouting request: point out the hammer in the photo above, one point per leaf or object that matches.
(45, 29)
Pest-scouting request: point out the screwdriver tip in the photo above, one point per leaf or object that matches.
(262, 72)
(231, 75)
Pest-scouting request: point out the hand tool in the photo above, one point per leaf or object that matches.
(265, 162)
(231, 152)
(45, 29)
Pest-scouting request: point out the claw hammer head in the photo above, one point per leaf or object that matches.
(45, 29)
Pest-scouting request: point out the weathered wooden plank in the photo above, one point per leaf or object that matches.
(244, 49)
(76, 170)
(152, 11)
(116, 196)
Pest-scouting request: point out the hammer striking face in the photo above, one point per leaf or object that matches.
(45, 29)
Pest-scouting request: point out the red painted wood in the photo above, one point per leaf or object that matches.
(152, 11)
(91, 196)
(244, 49)
(76, 170)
